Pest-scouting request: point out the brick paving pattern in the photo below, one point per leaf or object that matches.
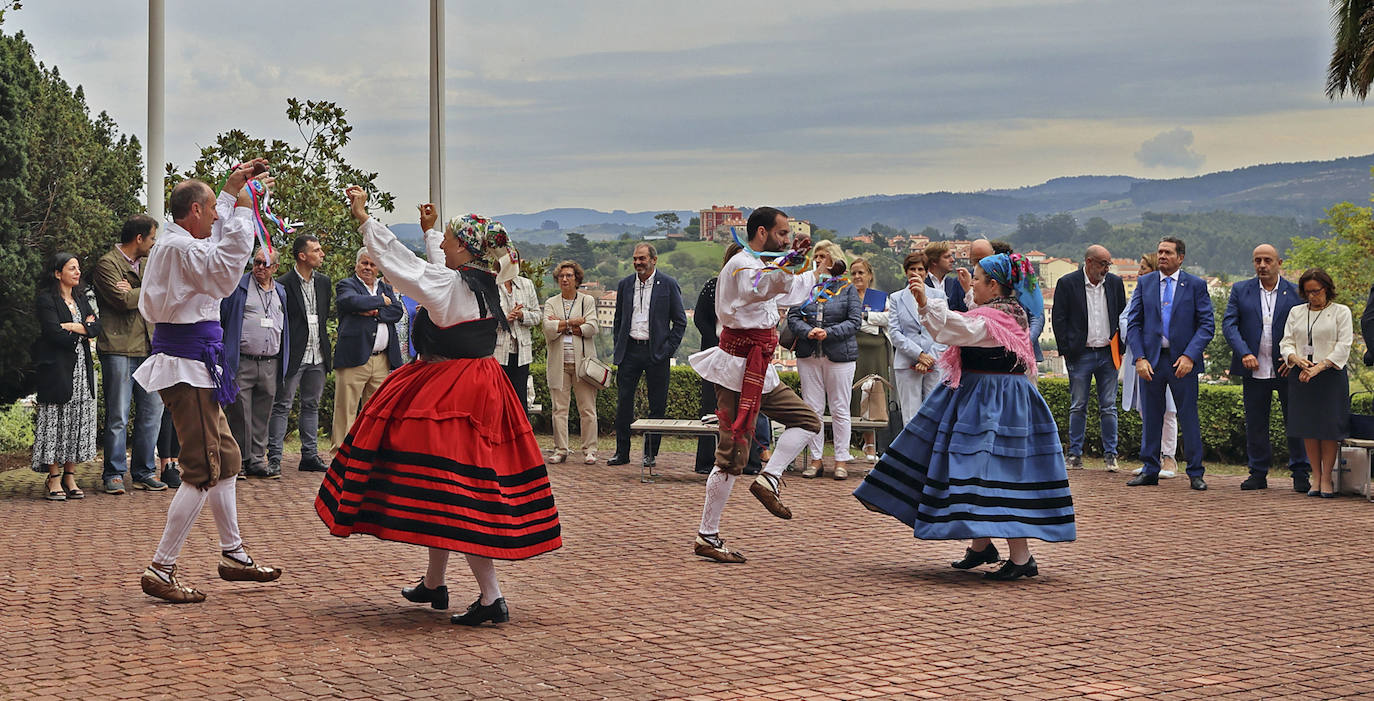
(1168, 594)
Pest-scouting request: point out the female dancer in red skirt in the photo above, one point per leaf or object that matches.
(442, 454)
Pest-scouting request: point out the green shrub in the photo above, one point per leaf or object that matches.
(16, 428)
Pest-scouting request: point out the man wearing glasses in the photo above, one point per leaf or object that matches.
(1086, 313)
(255, 341)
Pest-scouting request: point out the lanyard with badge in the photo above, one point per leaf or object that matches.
(266, 299)
(1307, 349)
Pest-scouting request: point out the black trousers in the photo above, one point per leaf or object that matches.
(1258, 396)
(519, 376)
(637, 362)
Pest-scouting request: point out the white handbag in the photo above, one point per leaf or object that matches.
(595, 372)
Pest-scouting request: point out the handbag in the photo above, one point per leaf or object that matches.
(595, 372)
(786, 337)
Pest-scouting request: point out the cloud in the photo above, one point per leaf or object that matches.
(1170, 149)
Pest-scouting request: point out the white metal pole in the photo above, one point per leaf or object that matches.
(436, 105)
(157, 85)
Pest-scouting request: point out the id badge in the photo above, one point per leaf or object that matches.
(265, 322)
(1307, 351)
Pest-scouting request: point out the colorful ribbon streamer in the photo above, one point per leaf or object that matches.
(262, 213)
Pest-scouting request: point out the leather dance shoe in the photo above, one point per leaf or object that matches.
(1009, 571)
(477, 614)
(1144, 480)
(713, 547)
(1301, 482)
(618, 459)
(231, 570)
(768, 490)
(437, 597)
(1255, 481)
(974, 558)
(1197, 483)
(169, 589)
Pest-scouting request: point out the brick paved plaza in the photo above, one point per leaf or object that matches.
(1168, 594)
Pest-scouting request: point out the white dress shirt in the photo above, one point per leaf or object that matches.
(313, 322)
(639, 314)
(1164, 333)
(383, 333)
(1099, 327)
(1265, 356)
(184, 282)
(742, 303)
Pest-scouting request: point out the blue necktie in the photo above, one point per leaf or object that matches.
(1166, 310)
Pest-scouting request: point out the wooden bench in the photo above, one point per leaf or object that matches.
(696, 427)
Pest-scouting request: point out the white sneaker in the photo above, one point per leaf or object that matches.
(1138, 470)
(1166, 474)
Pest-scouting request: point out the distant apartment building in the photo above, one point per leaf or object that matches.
(731, 227)
(714, 218)
(800, 227)
(1051, 269)
(605, 310)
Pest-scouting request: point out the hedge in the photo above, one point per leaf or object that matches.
(1221, 413)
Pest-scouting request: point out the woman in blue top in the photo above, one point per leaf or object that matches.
(875, 352)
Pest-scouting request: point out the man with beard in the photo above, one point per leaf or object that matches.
(748, 293)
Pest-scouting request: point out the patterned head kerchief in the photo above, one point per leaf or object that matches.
(482, 237)
(1015, 271)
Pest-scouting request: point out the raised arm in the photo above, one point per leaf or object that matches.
(953, 328)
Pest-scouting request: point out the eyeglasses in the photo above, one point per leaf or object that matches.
(262, 264)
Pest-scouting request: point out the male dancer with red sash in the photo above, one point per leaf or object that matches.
(197, 262)
(747, 299)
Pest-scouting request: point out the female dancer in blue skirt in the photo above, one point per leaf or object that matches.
(982, 458)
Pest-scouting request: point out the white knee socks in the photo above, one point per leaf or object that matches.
(182, 513)
(790, 445)
(718, 486)
(484, 570)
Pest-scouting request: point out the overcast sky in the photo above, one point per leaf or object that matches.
(674, 105)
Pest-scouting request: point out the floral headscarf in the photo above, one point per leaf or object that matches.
(487, 241)
(1015, 271)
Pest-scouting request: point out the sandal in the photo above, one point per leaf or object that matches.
(54, 494)
(75, 491)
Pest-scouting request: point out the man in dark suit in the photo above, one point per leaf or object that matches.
(649, 323)
(368, 348)
(308, 296)
(1087, 311)
(1169, 326)
(1255, 318)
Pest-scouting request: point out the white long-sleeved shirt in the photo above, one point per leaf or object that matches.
(743, 304)
(433, 285)
(184, 280)
(517, 340)
(1331, 335)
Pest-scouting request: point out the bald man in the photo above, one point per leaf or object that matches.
(978, 250)
(1253, 325)
(1087, 311)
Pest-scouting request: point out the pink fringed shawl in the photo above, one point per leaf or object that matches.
(1004, 329)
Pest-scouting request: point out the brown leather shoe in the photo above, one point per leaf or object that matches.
(768, 490)
(231, 570)
(713, 548)
(169, 589)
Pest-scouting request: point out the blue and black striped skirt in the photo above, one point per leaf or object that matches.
(980, 461)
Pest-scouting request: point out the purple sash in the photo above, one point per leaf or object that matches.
(203, 341)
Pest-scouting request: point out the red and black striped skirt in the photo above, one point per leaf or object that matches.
(443, 456)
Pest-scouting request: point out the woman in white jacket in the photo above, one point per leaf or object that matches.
(569, 327)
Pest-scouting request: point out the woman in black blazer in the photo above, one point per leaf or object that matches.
(64, 430)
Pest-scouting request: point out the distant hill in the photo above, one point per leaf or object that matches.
(1301, 191)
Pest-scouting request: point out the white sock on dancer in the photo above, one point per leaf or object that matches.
(718, 486)
(181, 515)
(790, 445)
(224, 506)
(484, 570)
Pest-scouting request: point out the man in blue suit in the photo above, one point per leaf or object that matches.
(1253, 326)
(648, 328)
(1169, 326)
(368, 348)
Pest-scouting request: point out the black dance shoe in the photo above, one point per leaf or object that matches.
(974, 558)
(420, 594)
(1009, 571)
(477, 614)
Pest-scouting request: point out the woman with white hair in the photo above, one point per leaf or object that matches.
(442, 455)
(827, 350)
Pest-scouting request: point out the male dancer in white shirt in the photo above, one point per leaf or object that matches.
(198, 261)
(747, 300)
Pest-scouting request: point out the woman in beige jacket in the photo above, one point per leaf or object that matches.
(569, 325)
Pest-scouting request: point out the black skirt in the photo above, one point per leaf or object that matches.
(1319, 409)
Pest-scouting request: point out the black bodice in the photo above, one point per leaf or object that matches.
(470, 339)
(989, 360)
